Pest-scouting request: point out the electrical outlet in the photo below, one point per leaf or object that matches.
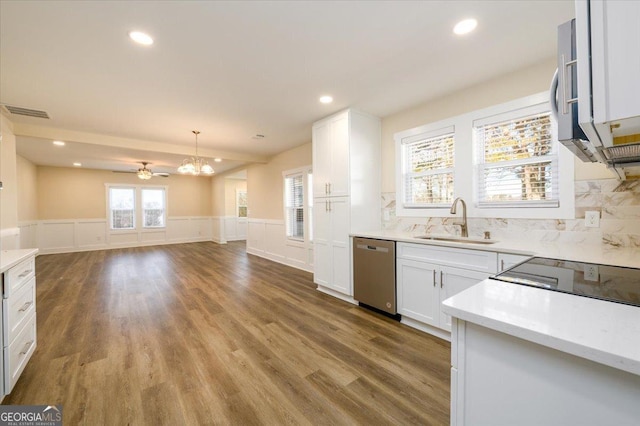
(591, 272)
(592, 219)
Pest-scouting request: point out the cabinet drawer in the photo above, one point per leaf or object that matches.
(18, 353)
(507, 260)
(17, 310)
(475, 260)
(18, 276)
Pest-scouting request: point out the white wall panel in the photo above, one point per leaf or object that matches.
(56, 235)
(28, 234)
(266, 238)
(90, 233)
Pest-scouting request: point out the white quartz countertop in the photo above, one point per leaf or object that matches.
(601, 331)
(602, 254)
(10, 258)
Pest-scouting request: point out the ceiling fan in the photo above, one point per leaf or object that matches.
(144, 173)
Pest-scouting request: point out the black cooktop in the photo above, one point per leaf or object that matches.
(606, 282)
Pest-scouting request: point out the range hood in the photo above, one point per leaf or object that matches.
(594, 93)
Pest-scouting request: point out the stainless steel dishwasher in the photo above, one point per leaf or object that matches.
(374, 273)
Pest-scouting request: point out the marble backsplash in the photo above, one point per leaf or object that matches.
(618, 204)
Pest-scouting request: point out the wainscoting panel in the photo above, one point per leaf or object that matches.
(10, 238)
(62, 236)
(267, 238)
(56, 236)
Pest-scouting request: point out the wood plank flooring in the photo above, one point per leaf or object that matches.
(206, 334)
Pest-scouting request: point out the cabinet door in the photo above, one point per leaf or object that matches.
(615, 43)
(452, 282)
(340, 245)
(339, 182)
(321, 242)
(417, 291)
(321, 148)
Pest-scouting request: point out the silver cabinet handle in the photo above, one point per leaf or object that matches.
(441, 280)
(26, 347)
(25, 306)
(326, 188)
(501, 265)
(566, 99)
(329, 188)
(25, 273)
(326, 205)
(434, 277)
(330, 205)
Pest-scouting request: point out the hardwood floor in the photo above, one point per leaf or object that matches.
(206, 334)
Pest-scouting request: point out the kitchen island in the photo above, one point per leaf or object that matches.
(523, 355)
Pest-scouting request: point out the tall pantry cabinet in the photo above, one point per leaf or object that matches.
(346, 194)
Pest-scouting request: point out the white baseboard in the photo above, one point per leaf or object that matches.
(267, 238)
(337, 294)
(418, 325)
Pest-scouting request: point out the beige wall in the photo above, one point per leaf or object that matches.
(8, 176)
(264, 182)
(27, 173)
(218, 194)
(505, 88)
(66, 193)
(231, 187)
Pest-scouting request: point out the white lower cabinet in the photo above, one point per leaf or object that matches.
(331, 244)
(499, 379)
(18, 320)
(425, 278)
(507, 260)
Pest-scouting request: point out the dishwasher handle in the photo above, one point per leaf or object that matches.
(372, 248)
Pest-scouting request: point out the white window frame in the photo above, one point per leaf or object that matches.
(518, 114)
(246, 206)
(307, 205)
(110, 211)
(465, 169)
(164, 207)
(138, 218)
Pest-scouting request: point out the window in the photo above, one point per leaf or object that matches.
(310, 205)
(503, 160)
(428, 169)
(517, 161)
(134, 207)
(153, 208)
(122, 204)
(241, 203)
(294, 206)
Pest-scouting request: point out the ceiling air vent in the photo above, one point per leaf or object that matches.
(26, 111)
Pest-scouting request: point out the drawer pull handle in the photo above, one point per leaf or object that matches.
(26, 347)
(25, 306)
(25, 273)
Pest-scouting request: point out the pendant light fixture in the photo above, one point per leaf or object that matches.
(195, 165)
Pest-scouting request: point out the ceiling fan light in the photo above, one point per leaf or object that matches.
(144, 174)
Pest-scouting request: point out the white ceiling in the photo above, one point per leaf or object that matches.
(236, 69)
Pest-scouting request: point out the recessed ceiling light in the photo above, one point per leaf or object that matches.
(77, 164)
(326, 99)
(465, 26)
(217, 160)
(141, 38)
(58, 143)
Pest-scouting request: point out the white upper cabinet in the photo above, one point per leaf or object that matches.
(615, 56)
(346, 155)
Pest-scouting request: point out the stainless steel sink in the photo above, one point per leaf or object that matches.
(453, 239)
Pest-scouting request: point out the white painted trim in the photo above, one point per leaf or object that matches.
(76, 235)
(337, 294)
(266, 238)
(419, 325)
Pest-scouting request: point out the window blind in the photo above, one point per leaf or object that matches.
(294, 206)
(153, 208)
(517, 162)
(428, 162)
(122, 203)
